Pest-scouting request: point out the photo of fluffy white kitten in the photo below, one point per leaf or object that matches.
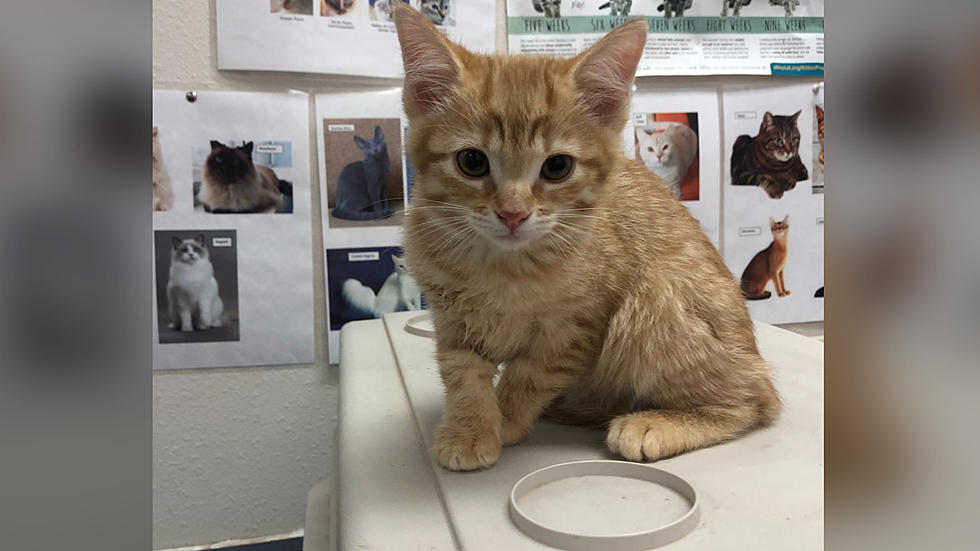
(668, 149)
(399, 293)
(192, 290)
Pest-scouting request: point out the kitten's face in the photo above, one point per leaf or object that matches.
(188, 251)
(657, 146)
(780, 136)
(229, 164)
(435, 10)
(400, 266)
(374, 147)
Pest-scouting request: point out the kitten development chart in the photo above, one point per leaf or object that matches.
(676, 135)
(773, 230)
(346, 37)
(232, 255)
(364, 182)
(687, 37)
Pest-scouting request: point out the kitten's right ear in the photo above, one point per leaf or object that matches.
(604, 73)
(157, 130)
(216, 144)
(430, 60)
(768, 121)
(176, 241)
(772, 221)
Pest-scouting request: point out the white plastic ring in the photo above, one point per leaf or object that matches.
(636, 541)
(413, 326)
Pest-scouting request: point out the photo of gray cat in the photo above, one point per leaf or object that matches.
(196, 275)
(439, 12)
(238, 179)
(298, 7)
(367, 283)
(550, 8)
(163, 195)
(363, 162)
(771, 158)
(617, 7)
(788, 6)
(675, 8)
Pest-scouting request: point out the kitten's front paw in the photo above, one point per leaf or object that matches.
(511, 433)
(186, 328)
(216, 323)
(466, 450)
(635, 438)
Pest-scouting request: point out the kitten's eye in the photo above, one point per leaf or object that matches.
(218, 160)
(779, 141)
(472, 163)
(557, 167)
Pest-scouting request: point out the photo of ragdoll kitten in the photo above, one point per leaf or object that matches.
(197, 285)
(436, 11)
(233, 184)
(367, 283)
(298, 7)
(771, 158)
(334, 8)
(163, 195)
(539, 246)
(768, 265)
(668, 146)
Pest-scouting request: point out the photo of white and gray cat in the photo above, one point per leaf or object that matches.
(367, 283)
(197, 285)
(667, 143)
(399, 293)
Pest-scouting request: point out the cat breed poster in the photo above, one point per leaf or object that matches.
(344, 37)
(232, 236)
(773, 235)
(364, 177)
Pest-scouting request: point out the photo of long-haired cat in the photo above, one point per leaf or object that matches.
(298, 7)
(668, 145)
(734, 5)
(399, 293)
(163, 195)
(336, 8)
(363, 172)
(550, 8)
(617, 7)
(197, 285)
(231, 182)
(367, 283)
(381, 9)
(675, 8)
(768, 265)
(770, 159)
(818, 150)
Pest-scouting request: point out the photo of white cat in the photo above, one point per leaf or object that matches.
(163, 195)
(667, 143)
(367, 283)
(197, 285)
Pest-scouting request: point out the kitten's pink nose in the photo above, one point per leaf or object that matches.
(513, 219)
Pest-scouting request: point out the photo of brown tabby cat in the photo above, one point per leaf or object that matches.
(768, 264)
(771, 159)
(333, 8)
(540, 246)
(232, 183)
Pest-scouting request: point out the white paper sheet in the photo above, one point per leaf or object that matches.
(262, 261)
(653, 109)
(748, 209)
(262, 35)
(760, 39)
(359, 249)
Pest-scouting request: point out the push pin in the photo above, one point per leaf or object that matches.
(817, 86)
(191, 96)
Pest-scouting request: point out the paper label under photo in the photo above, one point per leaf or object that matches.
(700, 37)
(346, 37)
(773, 234)
(232, 239)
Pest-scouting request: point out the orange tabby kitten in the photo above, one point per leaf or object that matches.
(768, 264)
(540, 246)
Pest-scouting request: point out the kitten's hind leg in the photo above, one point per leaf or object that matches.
(217, 308)
(654, 434)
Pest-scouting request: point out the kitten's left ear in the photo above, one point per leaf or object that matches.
(247, 148)
(797, 115)
(394, 258)
(378, 134)
(215, 144)
(604, 73)
(786, 219)
(772, 221)
(199, 239)
(432, 63)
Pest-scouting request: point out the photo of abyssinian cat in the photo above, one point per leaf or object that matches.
(192, 291)
(539, 245)
(399, 293)
(163, 195)
(360, 193)
(333, 8)
(771, 159)
(233, 184)
(768, 265)
(668, 150)
(299, 7)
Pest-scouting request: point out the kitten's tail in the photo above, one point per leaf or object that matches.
(286, 188)
(359, 298)
(345, 214)
(763, 296)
